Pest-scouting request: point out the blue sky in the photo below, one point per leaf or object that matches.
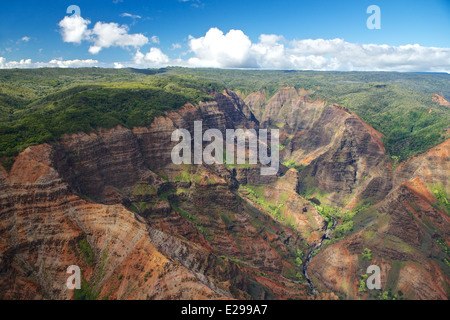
(176, 32)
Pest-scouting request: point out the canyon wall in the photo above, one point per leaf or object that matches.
(139, 227)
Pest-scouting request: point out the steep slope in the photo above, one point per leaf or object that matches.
(401, 215)
(407, 234)
(281, 200)
(338, 154)
(45, 228)
(112, 202)
(289, 108)
(140, 227)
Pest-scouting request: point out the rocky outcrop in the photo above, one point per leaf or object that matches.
(342, 156)
(407, 237)
(119, 157)
(289, 108)
(295, 208)
(439, 99)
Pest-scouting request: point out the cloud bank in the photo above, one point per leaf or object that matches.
(55, 63)
(235, 50)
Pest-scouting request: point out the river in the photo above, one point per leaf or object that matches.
(311, 253)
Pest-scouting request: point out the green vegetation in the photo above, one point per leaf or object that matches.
(148, 275)
(443, 244)
(291, 164)
(144, 189)
(183, 176)
(86, 251)
(447, 261)
(87, 291)
(7, 163)
(298, 259)
(283, 145)
(46, 115)
(248, 81)
(362, 283)
(441, 196)
(347, 225)
(343, 229)
(185, 214)
(226, 219)
(396, 104)
(86, 109)
(134, 208)
(327, 212)
(194, 219)
(387, 295)
(257, 195)
(41, 105)
(367, 254)
(401, 115)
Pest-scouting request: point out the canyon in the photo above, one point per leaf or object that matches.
(112, 202)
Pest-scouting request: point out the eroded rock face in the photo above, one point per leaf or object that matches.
(289, 108)
(140, 227)
(405, 237)
(295, 208)
(425, 282)
(119, 157)
(342, 156)
(112, 203)
(335, 268)
(45, 228)
(343, 159)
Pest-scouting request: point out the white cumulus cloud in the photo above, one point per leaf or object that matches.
(74, 29)
(219, 50)
(118, 65)
(112, 35)
(155, 58)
